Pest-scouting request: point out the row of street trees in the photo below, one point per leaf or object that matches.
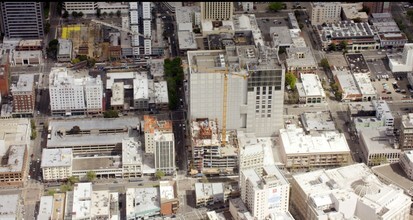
(174, 75)
(71, 181)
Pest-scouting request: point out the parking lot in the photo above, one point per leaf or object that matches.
(386, 90)
(379, 69)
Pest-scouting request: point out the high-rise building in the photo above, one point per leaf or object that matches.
(22, 19)
(152, 125)
(71, 95)
(164, 152)
(351, 192)
(255, 88)
(140, 18)
(377, 7)
(324, 12)
(266, 192)
(217, 11)
(23, 95)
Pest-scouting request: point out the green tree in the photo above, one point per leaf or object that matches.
(275, 6)
(51, 192)
(118, 13)
(65, 14)
(324, 63)
(111, 114)
(82, 57)
(53, 43)
(357, 20)
(98, 12)
(378, 160)
(75, 14)
(75, 130)
(91, 175)
(338, 95)
(333, 46)
(72, 180)
(343, 45)
(80, 14)
(65, 187)
(33, 129)
(111, 14)
(204, 179)
(105, 14)
(159, 174)
(47, 28)
(290, 80)
(75, 61)
(59, 8)
(91, 62)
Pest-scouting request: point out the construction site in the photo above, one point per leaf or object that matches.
(209, 155)
(95, 39)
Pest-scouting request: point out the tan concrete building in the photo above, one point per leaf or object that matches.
(406, 132)
(217, 11)
(324, 12)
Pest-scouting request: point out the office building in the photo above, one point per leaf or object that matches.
(45, 208)
(142, 203)
(317, 122)
(382, 117)
(151, 126)
(300, 60)
(264, 192)
(56, 164)
(254, 88)
(351, 192)
(351, 11)
(113, 7)
(406, 132)
(22, 19)
(310, 89)
(71, 95)
(377, 7)
(52, 207)
(208, 156)
(378, 146)
(302, 151)
(24, 97)
(324, 12)
(209, 193)
(403, 62)
(164, 152)
(169, 197)
(217, 11)
(84, 7)
(140, 22)
(30, 45)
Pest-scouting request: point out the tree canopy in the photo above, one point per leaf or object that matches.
(91, 175)
(324, 63)
(159, 174)
(275, 6)
(290, 80)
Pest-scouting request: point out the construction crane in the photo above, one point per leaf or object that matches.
(116, 27)
(226, 72)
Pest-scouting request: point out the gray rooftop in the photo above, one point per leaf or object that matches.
(96, 163)
(357, 63)
(65, 46)
(8, 206)
(15, 159)
(317, 121)
(142, 201)
(56, 158)
(25, 83)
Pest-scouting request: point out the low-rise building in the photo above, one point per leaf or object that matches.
(45, 208)
(264, 193)
(300, 60)
(113, 7)
(359, 36)
(52, 207)
(316, 122)
(131, 158)
(209, 157)
(160, 96)
(366, 88)
(209, 193)
(406, 163)
(142, 203)
(11, 207)
(351, 192)
(27, 57)
(169, 197)
(302, 151)
(357, 63)
(379, 146)
(382, 117)
(238, 210)
(310, 89)
(29, 45)
(348, 87)
(117, 101)
(24, 97)
(392, 40)
(56, 164)
(65, 50)
(406, 132)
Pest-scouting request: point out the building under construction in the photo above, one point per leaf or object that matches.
(209, 157)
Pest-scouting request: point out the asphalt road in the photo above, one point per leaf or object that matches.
(170, 28)
(397, 10)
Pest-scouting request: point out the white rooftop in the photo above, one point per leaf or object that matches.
(300, 57)
(364, 83)
(318, 121)
(161, 92)
(140, 84)
(65, 46)
(249, 144)
(354, 184)
(166, 190)
(15, 131)
(25, 83)
(185, 14)
(377, 141)
(45, 209)
(100, 204)
(187, 40)
(57, 157)
(131, 152)
(348, 84)
(295, 141)
(207, 190)
(82, 200)
(118, 94)
(163, 136)
(15, 159)
(9, 206)
(62, 77)
(271, 175)
(311, 86)
(142, 201)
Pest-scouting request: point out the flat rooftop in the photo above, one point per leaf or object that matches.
(161, 92)
(407, 121)
(58, 205)
(185, 14)
(65, 47)
(156, 67)
(118, 94)
(142, 201)
(348, 84)
(166, 190)
(9, 206)
(187, 40)
(357, 63)
(96, 163)
(317, 121)
(25, 83)
(101, 203)
(82, 200)
(300, 57)
(249, 144)
(376, 141)
(393, 173)
(57, 157)
(152, 124)
(15, 160)
(30, 43)
(295, 141)
(45, 209)
(131, 151)
(311, 86)
(283, 33)
(207, 190)
(364, 84)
